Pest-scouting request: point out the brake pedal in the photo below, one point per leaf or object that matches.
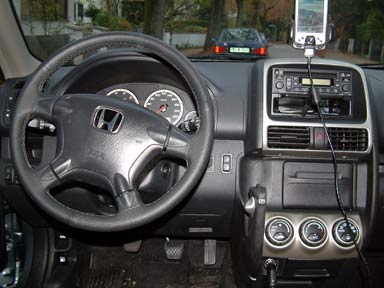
(133, 247)
(209, 252)
(173, 249)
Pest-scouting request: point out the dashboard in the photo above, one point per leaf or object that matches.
(263, 138)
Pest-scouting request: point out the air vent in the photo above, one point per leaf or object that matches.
(349, 139)
(288, 137)
(19, 85)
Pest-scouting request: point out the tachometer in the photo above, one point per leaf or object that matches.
(123, 94)
(167, 104)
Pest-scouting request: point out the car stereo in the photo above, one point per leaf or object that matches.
(291, 88)
(291, 81)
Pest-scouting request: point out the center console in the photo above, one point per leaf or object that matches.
(287, 154)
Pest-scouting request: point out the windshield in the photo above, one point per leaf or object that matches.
(205, 29)
(243, 35)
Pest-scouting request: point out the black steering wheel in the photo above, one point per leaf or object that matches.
(108, 142)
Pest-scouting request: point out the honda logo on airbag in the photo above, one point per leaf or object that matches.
(107, 119)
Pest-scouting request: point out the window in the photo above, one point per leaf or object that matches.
(48, 10)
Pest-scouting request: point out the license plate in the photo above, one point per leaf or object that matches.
(238, 50)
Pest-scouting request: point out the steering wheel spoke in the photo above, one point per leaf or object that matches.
(43, 107)
(48, 177)
(128, 200)
(178, 143)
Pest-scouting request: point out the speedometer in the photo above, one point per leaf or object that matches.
(123, 94)
(167, 104)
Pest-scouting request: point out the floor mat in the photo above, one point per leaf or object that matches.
(149, 268)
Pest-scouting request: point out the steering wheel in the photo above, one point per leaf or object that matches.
(108, 142)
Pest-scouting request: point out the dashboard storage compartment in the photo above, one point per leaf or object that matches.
(311, 185)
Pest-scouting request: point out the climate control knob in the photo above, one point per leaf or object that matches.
(313, 232)
(279, 231)
(344, 236)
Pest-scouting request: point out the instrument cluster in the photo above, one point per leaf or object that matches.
(173, 104)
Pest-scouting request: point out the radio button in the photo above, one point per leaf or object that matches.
(346, 88)
(279, 85)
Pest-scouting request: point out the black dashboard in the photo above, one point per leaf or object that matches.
(263, 137)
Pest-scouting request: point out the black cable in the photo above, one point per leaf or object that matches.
(335, 171)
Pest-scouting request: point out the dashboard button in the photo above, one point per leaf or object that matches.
(226, 163)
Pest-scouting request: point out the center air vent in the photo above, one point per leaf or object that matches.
(288, 137)
(349, 139)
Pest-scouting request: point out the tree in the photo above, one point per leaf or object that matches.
(216, 21)
(178, 8)
(261, 11)
(92, 11)
(113, 6)
(154, 18)
(347, 20)
(46, 11)
(240, 18)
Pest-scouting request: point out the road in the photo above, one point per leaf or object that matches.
(281, 50)
(278, 50)
(284, 51)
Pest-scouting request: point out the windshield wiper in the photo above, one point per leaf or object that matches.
(372, 65)
(225, 57)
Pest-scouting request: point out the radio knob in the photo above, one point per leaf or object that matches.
(346, 88)
(279, 85)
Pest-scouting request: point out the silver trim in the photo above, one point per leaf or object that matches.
(130, 93)
(321, 244)
(296, 249)
(102, 121)
(352, 246)
(274, 246)
(267, 121)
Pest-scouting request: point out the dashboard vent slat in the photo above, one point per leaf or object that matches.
(348, 139)
(288, 137)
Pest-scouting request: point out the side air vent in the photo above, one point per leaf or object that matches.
(288, 137)
(349, 139)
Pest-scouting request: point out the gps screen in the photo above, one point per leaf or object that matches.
(310, 18)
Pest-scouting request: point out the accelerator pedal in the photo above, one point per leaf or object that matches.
(173, 249)
(133, 247)
(209, 252)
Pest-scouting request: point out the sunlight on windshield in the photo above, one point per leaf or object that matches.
(208, 29)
